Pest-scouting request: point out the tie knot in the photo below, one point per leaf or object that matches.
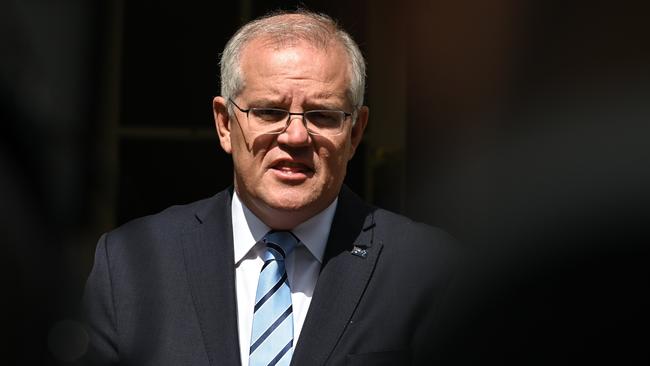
(280, 244)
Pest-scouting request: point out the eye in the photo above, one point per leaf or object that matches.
(269, 114)
(324, 118)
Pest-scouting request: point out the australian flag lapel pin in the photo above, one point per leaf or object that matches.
(359, 252)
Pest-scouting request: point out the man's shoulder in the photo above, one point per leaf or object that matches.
(171, 221)
(389, 226)
(408, 231)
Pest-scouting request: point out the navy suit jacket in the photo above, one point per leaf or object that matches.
(162, 289)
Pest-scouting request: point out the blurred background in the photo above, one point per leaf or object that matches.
(520, 127)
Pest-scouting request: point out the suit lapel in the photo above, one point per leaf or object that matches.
(349, 260)
(208, 251)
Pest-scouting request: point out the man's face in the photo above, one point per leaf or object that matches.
(287, 178)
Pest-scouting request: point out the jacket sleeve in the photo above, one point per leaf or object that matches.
(99, 311)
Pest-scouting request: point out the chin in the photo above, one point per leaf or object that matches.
(286, 212)
(289, 202)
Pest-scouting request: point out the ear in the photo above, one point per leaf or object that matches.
(357, 130)
(222, 122)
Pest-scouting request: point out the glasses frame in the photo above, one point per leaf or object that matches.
(289, 114)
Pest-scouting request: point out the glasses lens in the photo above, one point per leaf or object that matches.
(324, 121)
(267, 120)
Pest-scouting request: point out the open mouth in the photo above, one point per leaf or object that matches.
(291, 170)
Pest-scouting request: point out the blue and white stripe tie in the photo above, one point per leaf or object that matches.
(272, 334)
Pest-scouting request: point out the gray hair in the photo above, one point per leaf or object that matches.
(287, 28)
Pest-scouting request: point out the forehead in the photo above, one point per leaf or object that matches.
(271, 63)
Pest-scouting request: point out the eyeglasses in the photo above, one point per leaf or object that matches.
(274, 121)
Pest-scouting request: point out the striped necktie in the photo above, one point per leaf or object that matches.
(272, 333)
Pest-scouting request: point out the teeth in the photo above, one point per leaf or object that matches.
(291, 167)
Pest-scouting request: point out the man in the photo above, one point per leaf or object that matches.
(288, 265)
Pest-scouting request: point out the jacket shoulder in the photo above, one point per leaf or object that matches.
(176, 215)
(167, 225)
(391, 224)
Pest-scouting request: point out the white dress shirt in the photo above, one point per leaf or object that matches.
(302, 265)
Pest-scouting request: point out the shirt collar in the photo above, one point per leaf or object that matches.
(248, 229)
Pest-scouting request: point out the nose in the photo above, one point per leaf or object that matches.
(296, 133)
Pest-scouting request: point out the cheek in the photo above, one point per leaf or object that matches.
(349, 151)
(346, 152)
(334, 162)
(243, 161)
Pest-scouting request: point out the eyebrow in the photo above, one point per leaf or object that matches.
(265, 102)
(320, 100)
